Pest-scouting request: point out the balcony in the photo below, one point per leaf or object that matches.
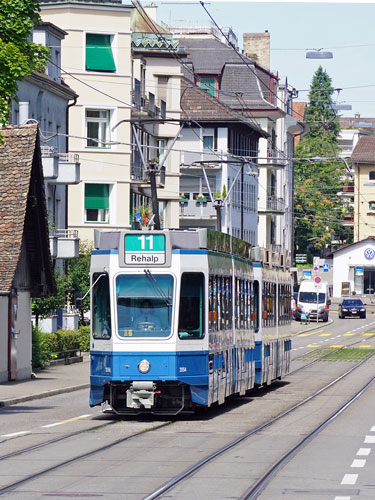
(274, 205)
(195, 209)
(275, 159)
(60, 168)
(64, 243)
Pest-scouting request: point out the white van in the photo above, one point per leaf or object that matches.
(313, 300)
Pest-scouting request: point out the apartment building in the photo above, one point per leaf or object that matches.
(96, 61)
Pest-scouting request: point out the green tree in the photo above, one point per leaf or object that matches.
(18, 56)
(78, 271)
(318, 208)
(45, 307)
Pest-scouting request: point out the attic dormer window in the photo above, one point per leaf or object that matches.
(209, 85)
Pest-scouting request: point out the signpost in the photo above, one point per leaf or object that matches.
(317, 284)
(301, 258)
(325, 268)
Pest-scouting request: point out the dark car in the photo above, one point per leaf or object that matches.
(353, 308)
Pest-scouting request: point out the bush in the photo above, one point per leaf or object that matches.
(61, 344)
(43, 348)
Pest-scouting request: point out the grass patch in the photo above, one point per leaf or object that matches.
(315, 354)
(349, 354)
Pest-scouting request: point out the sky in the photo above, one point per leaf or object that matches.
(344, 28)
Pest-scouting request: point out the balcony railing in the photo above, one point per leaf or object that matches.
(189, 157)
(197, 209)
(60, 168)
(64, 243)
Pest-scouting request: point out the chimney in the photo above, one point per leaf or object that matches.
(256, 46)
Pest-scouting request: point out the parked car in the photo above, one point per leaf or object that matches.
(353, 308)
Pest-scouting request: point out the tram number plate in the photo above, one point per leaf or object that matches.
(148, 249)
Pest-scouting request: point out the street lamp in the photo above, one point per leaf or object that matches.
(318, 54)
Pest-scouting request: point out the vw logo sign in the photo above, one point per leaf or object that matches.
(369, 253)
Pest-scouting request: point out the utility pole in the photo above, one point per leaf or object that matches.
(151, 172)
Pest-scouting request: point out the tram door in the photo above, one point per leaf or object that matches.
(12, 334)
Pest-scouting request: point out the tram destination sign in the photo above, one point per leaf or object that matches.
(145, 249)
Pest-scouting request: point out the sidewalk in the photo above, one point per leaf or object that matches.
(55, 379)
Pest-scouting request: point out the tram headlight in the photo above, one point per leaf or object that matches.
(144, 366)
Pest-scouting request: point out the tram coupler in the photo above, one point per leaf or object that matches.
(141, 394)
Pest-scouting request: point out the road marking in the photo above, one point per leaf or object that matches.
(325, 334)
(65, 421)
(337, 346)
(368, 334)
(369, 439)
(364, 452)
(313, 345)
(366, 346)
(358, 463)
(348, 334)
(14, 434)
(342, 498)
(372, 429)
(349, 479)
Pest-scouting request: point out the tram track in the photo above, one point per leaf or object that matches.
(255, 489)
(189, 472)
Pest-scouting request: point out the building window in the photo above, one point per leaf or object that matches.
(99, 56)
(371, 206)
(97, 127)
(371, 175)
(97, 203)
(162, 88)
(209, 85)
(208, 143)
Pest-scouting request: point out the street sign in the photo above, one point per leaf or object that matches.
(301, 258)
(325, 268)
(318, 279)
(306, 274)
(316, 268)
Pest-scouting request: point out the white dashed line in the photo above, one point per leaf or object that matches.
(369, 439)
(14, 434)
(358, 463)
(342, 498)
(349, 479)
(372, 429)
(364, 452)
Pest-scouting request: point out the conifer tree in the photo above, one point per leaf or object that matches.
(318, 209)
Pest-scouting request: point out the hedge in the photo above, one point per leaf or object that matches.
(60, 344)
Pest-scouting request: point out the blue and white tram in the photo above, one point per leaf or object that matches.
(177, 323)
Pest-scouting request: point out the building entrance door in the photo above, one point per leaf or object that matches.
(369, 286)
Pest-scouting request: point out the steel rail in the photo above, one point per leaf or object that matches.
(256, 489)
(169, 485)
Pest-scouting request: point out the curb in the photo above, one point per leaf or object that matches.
(46, 394)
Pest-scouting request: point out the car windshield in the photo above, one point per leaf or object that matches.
(352, 303)
(144, 305)
(311, 298)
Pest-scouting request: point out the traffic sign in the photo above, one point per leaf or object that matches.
(317, 279)
(325, 268)
(316, 268)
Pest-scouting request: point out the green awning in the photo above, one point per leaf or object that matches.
(97, 196)
(208, 84)
(99, 56)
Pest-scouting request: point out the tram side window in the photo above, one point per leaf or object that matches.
(191, 316)
(101, 328)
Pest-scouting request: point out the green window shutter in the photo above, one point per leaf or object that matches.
(208, 84)
(97, 196)
(99, 56)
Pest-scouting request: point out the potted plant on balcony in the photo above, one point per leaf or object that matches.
(183, 199)
(201, 199)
